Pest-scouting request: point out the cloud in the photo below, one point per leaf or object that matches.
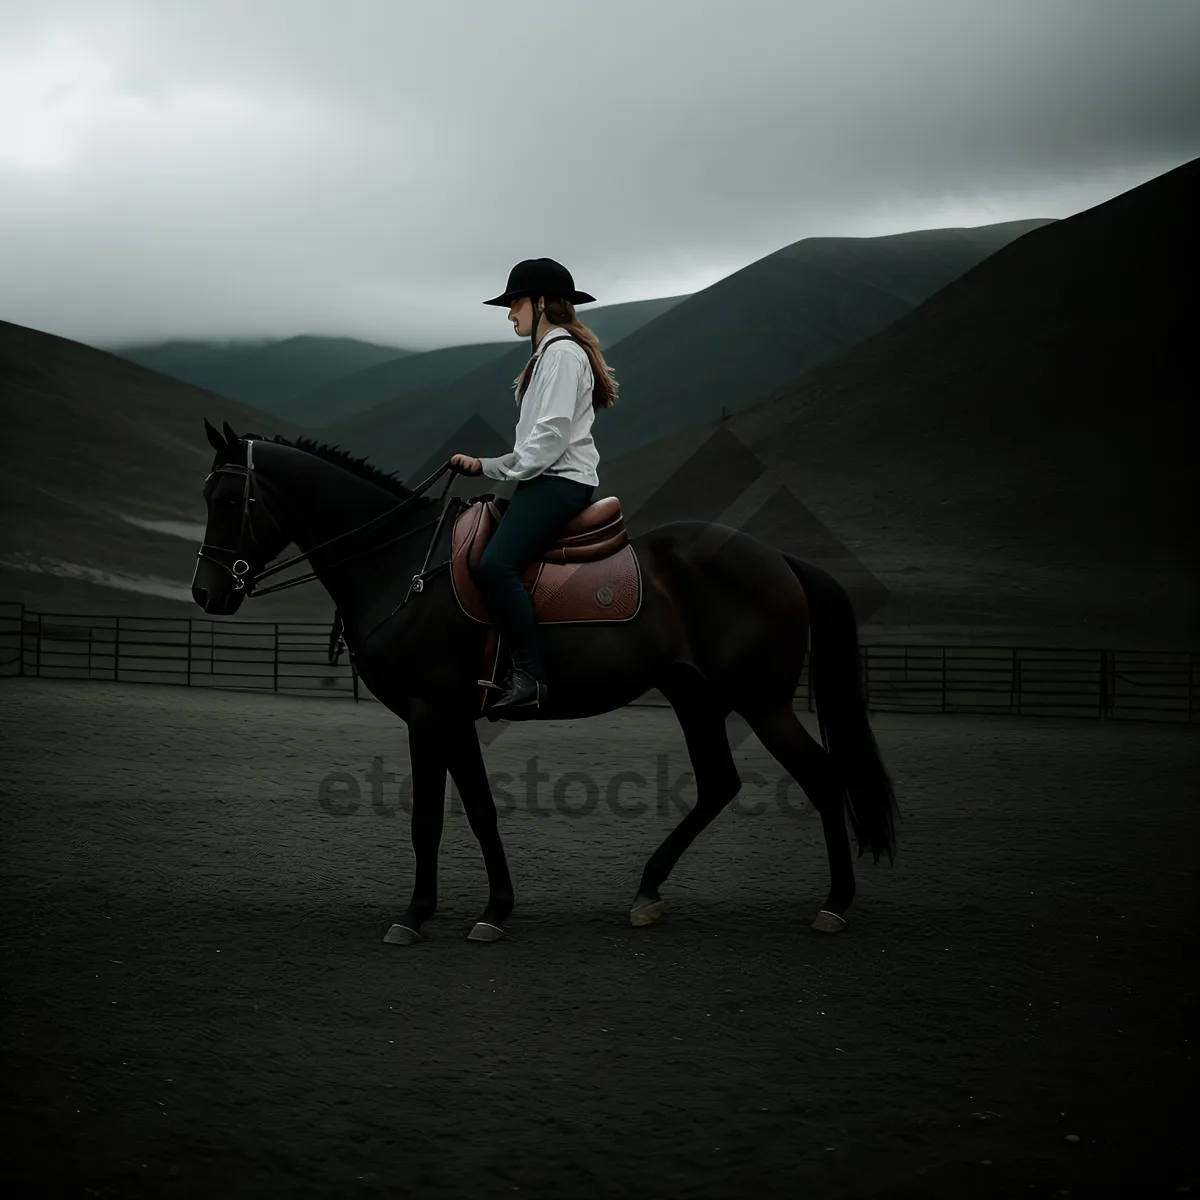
(375, 167)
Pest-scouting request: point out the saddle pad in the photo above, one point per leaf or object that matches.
(607, 590)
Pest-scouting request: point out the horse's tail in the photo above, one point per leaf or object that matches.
(835, 671)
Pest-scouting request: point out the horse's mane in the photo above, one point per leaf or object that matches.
(343, 458)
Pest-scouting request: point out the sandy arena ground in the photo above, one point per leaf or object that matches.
(197, 1001)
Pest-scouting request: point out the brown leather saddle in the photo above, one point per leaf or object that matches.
(590, 573)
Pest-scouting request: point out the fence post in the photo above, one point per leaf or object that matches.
(275, 657)
(38, 649)
(943, 679)
(21, 640)
(189, 654)
(1191, 685)
(1018, 680)
(116, 649)
(1103, 684)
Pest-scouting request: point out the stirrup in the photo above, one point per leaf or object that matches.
(528, 706)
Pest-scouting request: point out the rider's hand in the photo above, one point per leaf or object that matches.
(467, 465)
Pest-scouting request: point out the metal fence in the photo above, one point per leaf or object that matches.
(292, 658)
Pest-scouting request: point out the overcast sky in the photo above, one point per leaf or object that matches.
(213, 168)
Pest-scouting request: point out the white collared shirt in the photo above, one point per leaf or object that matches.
(554, 428)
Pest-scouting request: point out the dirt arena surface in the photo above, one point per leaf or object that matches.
(197, 1000)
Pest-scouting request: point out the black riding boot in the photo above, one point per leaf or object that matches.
(520, 692)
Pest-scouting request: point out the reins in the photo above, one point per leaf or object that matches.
(240, 567)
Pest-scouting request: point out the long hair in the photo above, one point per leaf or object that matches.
(604, 379)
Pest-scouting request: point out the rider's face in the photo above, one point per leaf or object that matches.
(521, 315)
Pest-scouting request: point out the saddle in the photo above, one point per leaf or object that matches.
(589, 573)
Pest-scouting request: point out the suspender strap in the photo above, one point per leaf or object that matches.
(565, 337)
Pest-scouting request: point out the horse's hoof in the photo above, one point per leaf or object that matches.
(828, 922)
(483, 932)
(647, 913)
(401, 935)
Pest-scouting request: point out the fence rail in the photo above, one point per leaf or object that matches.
(292, 658)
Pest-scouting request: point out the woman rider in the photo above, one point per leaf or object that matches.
(553, 460)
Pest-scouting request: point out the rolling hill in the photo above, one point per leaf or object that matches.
(612, 322)
(267, 375)
(1015, 456)
(348, 395)
(779, 316)
(419, 384)
(724, 346)
(102, 458)
(190, 360)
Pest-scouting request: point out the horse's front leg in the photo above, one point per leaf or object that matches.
(470, 777)
(427, 754)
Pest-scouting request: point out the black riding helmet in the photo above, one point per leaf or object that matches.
(536, 277)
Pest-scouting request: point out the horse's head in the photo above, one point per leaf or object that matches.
(241, 536)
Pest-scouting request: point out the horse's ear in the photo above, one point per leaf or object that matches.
(233, 437)
(214, 437)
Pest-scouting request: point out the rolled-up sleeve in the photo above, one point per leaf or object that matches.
(554, 393)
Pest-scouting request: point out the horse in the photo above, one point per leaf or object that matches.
(722, 624)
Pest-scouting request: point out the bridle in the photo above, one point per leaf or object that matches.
(238, 565)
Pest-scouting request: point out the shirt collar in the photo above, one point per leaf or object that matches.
(555, 332)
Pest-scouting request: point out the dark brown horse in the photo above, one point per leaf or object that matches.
(723, 627)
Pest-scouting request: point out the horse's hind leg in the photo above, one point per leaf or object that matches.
(717, 783)
(810, 765)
